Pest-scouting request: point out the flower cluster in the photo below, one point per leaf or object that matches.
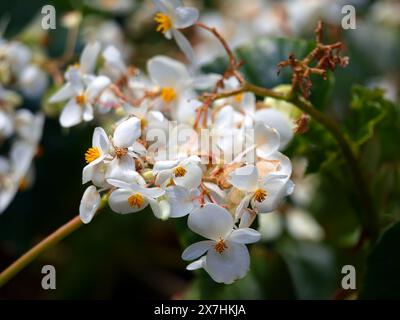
(20, 128)
(174, 145)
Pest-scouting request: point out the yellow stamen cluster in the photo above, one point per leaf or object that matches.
(179, 171)
(260, 195)
(239, 97)
(220, 246)
(168, 94)
(92, 154)
(136, 200)
(80, 99)
(164, 22)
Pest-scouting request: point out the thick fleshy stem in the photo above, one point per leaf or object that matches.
(42, 246)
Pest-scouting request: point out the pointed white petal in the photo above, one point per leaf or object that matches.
(183, 44)
(100, 140)
(64, 93)
(71, 114)
(89, 57)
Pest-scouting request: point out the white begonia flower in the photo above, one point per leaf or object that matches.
(89, 204)
(186, 172)
(81, 98)
(171, 76)
(96, 153)
(181, 201)
(227, 258)
(171, 16)
(149, 119)
(132, 197)
(263, 193)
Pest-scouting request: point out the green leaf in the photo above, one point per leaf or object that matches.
(382, 278)
(367, 109)
(312, 268)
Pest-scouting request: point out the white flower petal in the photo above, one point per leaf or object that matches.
(245, 178)
(100, 140)
(167, 72)
(89, 204)
(267, 140)
(230, 265)
(198, 264)
(244, 235)
(211, 221)
(89, 57)
(183, 44)
(71, 114)
(197, 249)
(127, 132)
(65, 92)
(87, 112)
(161, 209)
(192, 178)
(185, 17)
(113, 57)
(118, 202)
(180, 201)
(96, 86)
(279, 121)
(122, 169)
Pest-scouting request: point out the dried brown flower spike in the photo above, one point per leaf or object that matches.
(321, 59)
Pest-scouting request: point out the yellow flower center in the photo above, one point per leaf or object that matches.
(80, 99)
(143, 123)
(168, 94)
(260, 195)
(92, 154)
(220, 246)
(136, 200)
(239, 97)
(179, 171)
(164, 22)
